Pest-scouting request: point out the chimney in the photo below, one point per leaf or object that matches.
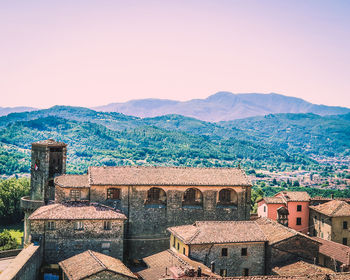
(212, 266)
(199, 272)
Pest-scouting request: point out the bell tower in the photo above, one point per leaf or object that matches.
(48, 160)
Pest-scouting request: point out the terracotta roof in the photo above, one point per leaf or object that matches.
(301, 268)
(89, 263)
(162, 176)
(167, 260)
(219, 232)
(276, 232)
(72, 181)
(334, 250)
(76, 211)
(49, 142)
(335, 276)
(333, 208)
(294, 196)
(273, 200)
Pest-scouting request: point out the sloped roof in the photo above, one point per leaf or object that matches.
(161, 262)
(163, 176)
(72, 181)
(89, 263)
(219, 232)
(334, 250)
(294, 196)
(273, 200)
(76, 211)
(276, 232)
(301, 268)
(333, 208)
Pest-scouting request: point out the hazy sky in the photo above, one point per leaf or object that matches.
(90, 53)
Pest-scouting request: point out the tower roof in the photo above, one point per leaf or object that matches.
(49, 142)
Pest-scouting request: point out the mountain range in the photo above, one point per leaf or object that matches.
(222, 106)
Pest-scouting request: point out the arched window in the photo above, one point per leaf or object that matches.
(193, 197)
(113, 193)
(156, 196)
(227, 197)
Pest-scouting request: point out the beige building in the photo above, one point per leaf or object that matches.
(331, 221)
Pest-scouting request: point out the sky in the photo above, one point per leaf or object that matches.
(90, 53)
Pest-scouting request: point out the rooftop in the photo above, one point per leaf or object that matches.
(76, 211)
(333, 208)
(163, 176)
(93, 263)
(72, 181)
(49, 142)
(162, 264)
(334, 250)
(219, 232)
(294, 196)
(301, 268)
(273, 200)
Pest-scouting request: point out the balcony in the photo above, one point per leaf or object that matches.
(30, 205)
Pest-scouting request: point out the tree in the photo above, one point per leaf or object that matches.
(296, 183)
(7, 242)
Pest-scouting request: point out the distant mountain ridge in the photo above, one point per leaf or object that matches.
(222, 106)
(8, 110)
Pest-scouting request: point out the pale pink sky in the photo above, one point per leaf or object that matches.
(90, 53)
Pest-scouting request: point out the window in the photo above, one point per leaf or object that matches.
(75, 195)
(314, 233)
(298, 221)
(79, 225)
(223, 272)
(107, 225)
(174, 241)
(246, 272)
(178, 245)
(322, 221)
(192, 197)
(264, 208)
(156, 196)
(51, 225)
(113, 193)
(345, 225)
(345, 241)
(224, 252)
(321, 234)
(227, 196)
(244, 252)
(299, 207)
(105, 245)
(184, 251)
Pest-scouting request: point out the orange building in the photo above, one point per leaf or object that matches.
(288, 208)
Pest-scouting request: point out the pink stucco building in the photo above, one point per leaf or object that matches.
(288, 208)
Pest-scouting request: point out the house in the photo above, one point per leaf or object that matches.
(70, 228)
(91, 265)
(286, 245)
(231, 248)
(331, 221)
(288, 208)
(172, 264)
(333, 255)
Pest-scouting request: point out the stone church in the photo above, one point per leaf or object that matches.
(123, 211)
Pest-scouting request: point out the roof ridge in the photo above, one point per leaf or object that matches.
(97, 259)
(338, 207)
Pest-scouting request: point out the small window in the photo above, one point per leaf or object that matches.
(224, 252)
(246, 272)
(314, 233)
(174, 242)
(113, 193)
(184, 251)
(321, 234)
(223, 272)
(105, 245)
(345, 241)
(107, 225)
(298, 221)
(264, 208)
(244, 252)
(178, 245)
(345, 225)
(75, 195)
(299, 207)
(322, 221)
(51, 225)
(79, 225)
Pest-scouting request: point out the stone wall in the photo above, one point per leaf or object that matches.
(290, 250)
(65, 241)
(63, 194)
(147, 223)
(320, 225)
(234, 262)
(26, 265)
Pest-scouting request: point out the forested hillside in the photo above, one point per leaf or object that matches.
(97, 138)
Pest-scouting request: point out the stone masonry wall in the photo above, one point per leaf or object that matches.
(147, 221)
(234, 262)
(64, 241)
(63, 194)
